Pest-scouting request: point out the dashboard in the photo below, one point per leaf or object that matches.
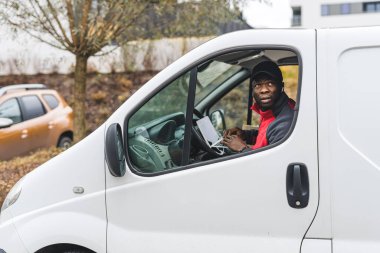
(157, 145)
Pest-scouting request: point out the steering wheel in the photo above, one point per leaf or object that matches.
(197, 139)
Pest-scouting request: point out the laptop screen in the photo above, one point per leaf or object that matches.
(208, 131)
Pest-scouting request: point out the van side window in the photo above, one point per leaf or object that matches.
(11, 110)
(232, 93)
(156, 130)
(234, 104)
(32, 107)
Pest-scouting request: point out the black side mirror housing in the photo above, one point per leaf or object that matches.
(115, 153)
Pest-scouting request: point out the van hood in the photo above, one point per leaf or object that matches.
(58, 180)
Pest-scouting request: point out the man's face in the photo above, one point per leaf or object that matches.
(265, 91)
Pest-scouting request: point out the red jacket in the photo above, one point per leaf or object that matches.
(274, 123)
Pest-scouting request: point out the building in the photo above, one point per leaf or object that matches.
(335, 13)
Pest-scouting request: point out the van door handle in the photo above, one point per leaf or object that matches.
(297, 185)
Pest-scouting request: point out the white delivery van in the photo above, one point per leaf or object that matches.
(146, 181)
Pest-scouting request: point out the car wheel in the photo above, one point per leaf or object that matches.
(65, 142)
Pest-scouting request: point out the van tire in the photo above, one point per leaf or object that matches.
(75, 251)
(64, 142)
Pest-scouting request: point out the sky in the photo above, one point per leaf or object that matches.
(267, 13)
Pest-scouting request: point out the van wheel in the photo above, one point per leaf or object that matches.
(64, 142)
(75, 251)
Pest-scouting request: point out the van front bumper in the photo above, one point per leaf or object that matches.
(10, 241)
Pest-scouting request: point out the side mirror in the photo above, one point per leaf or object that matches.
(217, 119)
(5, 122)
(115, 155)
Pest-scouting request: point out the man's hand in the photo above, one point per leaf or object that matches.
(234, 142)
(234, 131)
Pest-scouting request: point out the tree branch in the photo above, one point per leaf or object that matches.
(55, 15)
(70, 14)
(46, 41)
(49, 29)
(84, 23)
(114, 27)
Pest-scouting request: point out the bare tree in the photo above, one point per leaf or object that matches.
(85, 27)
(82, 27)
(173, 18)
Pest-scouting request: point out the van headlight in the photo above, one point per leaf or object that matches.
(13, 195)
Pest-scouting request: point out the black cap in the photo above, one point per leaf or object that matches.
(270, 68)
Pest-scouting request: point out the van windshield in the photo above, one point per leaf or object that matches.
(211, 77)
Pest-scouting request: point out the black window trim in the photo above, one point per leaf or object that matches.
(136, 107)
(189, 117)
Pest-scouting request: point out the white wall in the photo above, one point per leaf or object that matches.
(21, 54)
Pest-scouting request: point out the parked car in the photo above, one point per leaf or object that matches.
(33, 117)
(145, 181)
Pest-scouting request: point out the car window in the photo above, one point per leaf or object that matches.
(156, 130)
(32, 107)
(161, 138)
(10, 109)
(51, 100)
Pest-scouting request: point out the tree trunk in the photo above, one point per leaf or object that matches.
(79, 105)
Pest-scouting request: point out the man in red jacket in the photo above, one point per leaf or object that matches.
(275, 108)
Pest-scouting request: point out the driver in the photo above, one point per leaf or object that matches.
(275, 108)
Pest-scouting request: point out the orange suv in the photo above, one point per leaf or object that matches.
(32, 117)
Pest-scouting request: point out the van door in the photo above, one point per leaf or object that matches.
(234, 203)
(348, 70)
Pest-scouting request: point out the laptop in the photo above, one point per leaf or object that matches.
(209, 133)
